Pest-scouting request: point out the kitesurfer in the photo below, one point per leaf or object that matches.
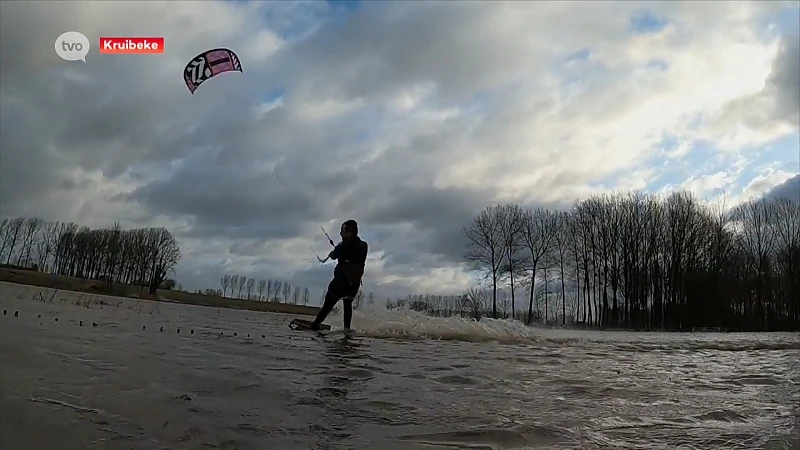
(351, 256)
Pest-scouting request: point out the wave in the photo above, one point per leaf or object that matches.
(375, 322)
(414, 325)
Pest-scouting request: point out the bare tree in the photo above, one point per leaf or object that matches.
(512, 224)
(537, 233)
(4, 227)
(561, 247)
(31, 229)
(47, 244)
(475, 302)
(164, 256)
(504, 300)
(251, 283)
(287, 289)
(161, 255)
(113, 253)
(262, 286)
(306, 296)
(787, 256)
(486, 246)
(11, 236)
(269, 291)
(757, 243)
(240, 286)
(225, 282)
(296, 295)
(276, 291)
(234, 283)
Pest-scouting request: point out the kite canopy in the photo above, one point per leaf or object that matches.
(208, 65)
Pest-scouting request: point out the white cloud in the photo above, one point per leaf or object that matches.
(703, 185)
(765, 181)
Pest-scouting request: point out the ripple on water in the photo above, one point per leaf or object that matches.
(247, 387)
(456, 380)
(720, 415)
(757, 380)
(378, 404)
(525, 437)
(358, 373)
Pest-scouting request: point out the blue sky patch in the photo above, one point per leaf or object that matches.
(347, 5)
(340, 11)
(786, 20)
(477, 102)
(702, 157)
(580, 55)
(645, 21)
(274, 95)
(787, 149)
(783, 154)
(658, 64)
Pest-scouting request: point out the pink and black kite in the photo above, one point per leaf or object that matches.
(210, 64)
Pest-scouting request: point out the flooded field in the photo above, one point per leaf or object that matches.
(114, 373)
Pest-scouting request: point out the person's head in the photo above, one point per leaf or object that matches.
(349, 230)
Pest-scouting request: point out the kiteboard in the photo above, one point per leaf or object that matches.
(305, 325)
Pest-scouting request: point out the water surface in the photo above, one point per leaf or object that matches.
(105, 376)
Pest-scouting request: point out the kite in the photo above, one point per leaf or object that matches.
(210, 64)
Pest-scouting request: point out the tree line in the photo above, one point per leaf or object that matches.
(141, 256)
(247, 288)
(476, 303)
(641, 261)
(472, 304)
(631, 260)
(242, 287)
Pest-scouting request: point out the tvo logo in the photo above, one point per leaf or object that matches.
(72, 46)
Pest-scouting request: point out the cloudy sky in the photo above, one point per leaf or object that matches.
(408, 117)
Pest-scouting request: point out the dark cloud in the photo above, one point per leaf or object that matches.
(785, 78)
(435, 217)
(788, 189)
(435, 43)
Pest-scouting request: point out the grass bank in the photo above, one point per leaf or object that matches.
(46, 280)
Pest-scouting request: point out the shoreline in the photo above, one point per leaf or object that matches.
(127, 291)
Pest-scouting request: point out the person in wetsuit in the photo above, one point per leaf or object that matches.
(351, 255)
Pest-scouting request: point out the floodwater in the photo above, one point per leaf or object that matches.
(105, 376)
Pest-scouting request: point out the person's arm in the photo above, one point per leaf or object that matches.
(336, 252)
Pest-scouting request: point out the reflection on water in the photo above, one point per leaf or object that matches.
(404, 381)
(340, 378)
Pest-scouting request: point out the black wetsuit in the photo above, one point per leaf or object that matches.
(351, 256)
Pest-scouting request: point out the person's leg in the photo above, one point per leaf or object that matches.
(348, 312)
(331, 297)
(348, 296)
